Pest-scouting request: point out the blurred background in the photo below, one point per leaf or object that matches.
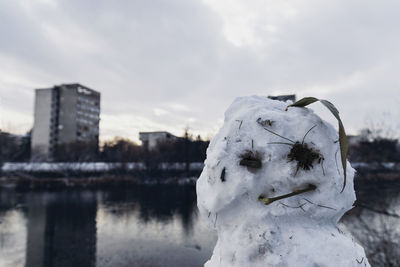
(107, 108)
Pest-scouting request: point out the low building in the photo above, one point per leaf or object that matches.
(151, 139)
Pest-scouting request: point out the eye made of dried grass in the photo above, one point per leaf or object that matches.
(251, 159)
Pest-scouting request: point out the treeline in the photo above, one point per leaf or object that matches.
(376, 150)
(124, 150)
(185, 149)
(14, 148)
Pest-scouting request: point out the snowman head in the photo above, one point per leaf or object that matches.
(276, 163)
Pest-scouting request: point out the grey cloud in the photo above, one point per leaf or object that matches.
(143, 55)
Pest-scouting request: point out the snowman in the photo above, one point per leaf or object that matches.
(273, 187)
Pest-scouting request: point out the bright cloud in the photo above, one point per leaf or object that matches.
(167, 65)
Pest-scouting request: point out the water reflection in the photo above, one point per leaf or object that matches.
(153, 226)
(61, 229)
(12, 238)
(375, 222)
(141, 226)
(159, 203)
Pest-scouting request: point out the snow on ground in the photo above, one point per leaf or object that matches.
(91, 166)
(250, 158)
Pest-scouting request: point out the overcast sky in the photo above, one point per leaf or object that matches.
(168, 64)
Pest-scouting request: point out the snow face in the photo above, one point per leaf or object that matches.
(255, 155)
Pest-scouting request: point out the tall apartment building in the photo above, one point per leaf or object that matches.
(64, 114)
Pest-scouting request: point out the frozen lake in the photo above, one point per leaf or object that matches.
(153, 226)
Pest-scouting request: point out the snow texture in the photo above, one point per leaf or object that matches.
(300, 230)
(91, 166)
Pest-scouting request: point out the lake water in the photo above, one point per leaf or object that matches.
(152, 226)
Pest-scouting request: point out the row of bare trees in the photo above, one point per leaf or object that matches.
(375, 150)
(184, 149)
(14, 147)
(189, 149)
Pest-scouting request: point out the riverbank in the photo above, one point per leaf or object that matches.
(30, 183)
(25, 182)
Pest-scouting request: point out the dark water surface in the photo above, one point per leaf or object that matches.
(152, 226)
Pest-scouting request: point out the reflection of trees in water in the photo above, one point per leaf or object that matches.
(375, 223)
(381, 237)
(159, 202)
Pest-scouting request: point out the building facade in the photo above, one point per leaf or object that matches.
(151, 139)
(64, 114)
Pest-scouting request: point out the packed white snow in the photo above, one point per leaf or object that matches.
(10, 167)
(300, 230)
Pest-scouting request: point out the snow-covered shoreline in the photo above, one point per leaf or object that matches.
(9, 167)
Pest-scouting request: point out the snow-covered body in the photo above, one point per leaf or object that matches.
(299, 230)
